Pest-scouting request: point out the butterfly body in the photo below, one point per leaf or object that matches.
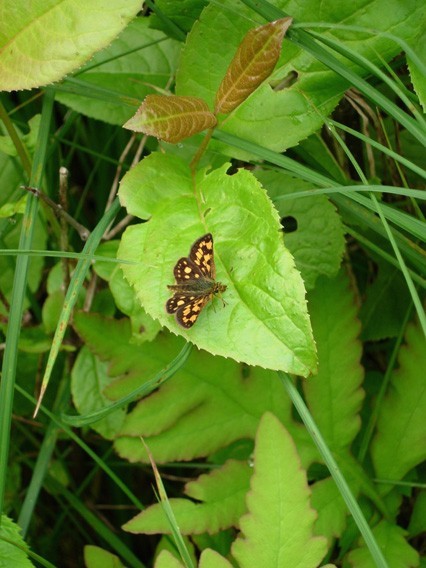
(195, 282)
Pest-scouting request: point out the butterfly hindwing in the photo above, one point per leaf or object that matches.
(187, 315)
(178, 301)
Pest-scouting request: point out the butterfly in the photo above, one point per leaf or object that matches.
(195, 282)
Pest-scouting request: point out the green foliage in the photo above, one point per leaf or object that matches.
(321, 251)
(265, 316)
(26, 63)
(13, 548)
(279, 524)
(122, 74)
(400, 424)
(283, 111)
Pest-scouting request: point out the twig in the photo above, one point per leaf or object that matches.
(82, 231)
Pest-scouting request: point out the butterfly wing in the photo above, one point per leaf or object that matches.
(187, 314)
(185, 270)
(201, 255)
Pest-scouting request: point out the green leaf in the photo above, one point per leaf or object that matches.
(381, 316)
(401, 421)
(10, 240)
(265, 321)
(280, 114)
(335, 396)
(171, 118)
(253, 62)
(332, 510)
(144, 328)
(166, 560)
(68, 33)
(417, 74)
(396, 550)
(13, 553)
(182, 14)
(318, 242)
(51, 310)
(112, 84)
(10, 209)
(220, 501)
(278, 530)
(418, 517)
(88, 379)
(211, 559)
(210, 403)
(96, 557)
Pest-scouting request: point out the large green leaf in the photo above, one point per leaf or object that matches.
(210, 403)
(399, 444)
(265, 320)
(335, 396)
(290, 105)
(42, 41)
(278, 530)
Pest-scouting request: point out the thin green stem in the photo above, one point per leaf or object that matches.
(160, 378)
(18, 294)
(335, 471)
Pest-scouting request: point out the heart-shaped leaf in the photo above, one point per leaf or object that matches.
(265, 320)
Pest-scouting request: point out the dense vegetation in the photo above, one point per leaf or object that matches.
(279, 420)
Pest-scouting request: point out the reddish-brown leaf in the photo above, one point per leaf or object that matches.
(171, 118)
(254, 61)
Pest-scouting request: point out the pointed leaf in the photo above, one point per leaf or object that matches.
(278, 530)
(220, 497)
(265, 320)
(211, 559)
(401, 422)
(166, 560)
(254, 61)
(96, 557)
(171, 118)
(43, 41)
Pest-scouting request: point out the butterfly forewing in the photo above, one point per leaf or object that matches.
(195, 285)
(202, 255)
(186, 270)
